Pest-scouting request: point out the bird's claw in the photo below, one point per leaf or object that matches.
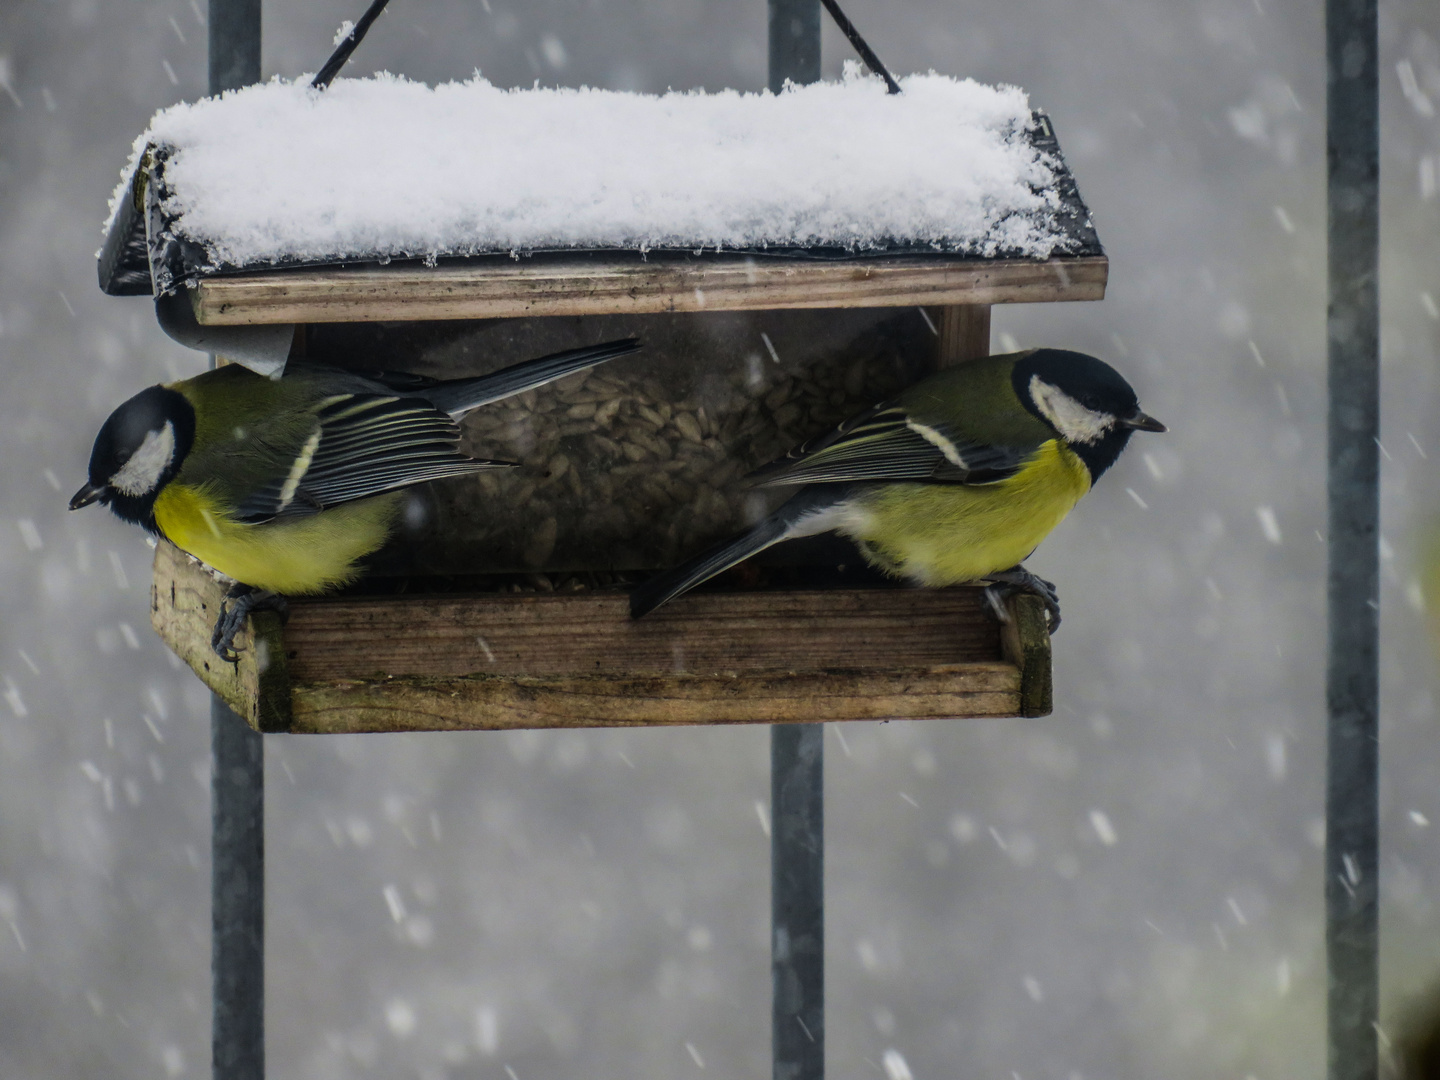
(1006, 583)
(237, 606)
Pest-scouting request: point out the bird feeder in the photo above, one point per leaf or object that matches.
(788, 260)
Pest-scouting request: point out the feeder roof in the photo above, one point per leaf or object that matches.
(374, 170)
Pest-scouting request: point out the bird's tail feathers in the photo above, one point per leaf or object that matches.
(665, 586)
(460, 396)
(786, 522)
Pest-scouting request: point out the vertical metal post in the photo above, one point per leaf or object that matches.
(797, 751)
(237, 897)
(1352, 689)
(797, 899)
(794, 42)
(234, 44)
(237, 775)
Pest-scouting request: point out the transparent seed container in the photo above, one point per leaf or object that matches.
(639, 463)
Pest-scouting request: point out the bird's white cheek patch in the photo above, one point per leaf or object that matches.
(1074, 421)
(142, 472)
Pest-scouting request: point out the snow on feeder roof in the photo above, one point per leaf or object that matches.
(375, 170)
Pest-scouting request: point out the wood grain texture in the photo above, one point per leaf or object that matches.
(588, 287)
(592, 634)
(487, 661)
(500, 702)
(964, 333)
(184, 604)
(1025, 642)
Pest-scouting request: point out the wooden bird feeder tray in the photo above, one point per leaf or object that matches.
(717, 401)
(468, 662)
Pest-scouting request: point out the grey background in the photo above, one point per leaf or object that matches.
(587, 904)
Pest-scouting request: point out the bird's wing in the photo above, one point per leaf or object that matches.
(459, 397)
(362, 445)
(887, 443)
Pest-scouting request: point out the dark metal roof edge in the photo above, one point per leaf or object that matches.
(1074, 213)
(123, 266)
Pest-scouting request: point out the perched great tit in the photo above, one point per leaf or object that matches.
(957, 479)
(284, 484)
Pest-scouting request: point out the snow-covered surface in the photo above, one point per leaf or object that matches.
(386, 167)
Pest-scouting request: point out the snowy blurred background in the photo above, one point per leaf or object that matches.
(1128, 889)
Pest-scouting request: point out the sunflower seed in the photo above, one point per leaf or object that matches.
(785, 416)
(688, 426)
(605, 445)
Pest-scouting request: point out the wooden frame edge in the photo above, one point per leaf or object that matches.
(523, 289)
(504, 702)
(1025, 641)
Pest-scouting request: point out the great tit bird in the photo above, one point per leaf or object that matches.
(284, 484)
(957, 479)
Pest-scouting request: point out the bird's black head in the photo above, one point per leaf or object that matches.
(1086, 401)
(139, 450)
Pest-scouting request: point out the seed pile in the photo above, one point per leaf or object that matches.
(639, 465)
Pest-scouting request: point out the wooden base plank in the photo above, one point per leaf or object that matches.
(533, 287)
(500, 702)
(497, 660)
(591, 633)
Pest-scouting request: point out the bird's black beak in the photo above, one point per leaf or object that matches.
(89, 494)
(1140, 422)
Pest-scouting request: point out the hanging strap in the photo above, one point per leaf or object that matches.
(348, 44)
(860, 45)
(352, 40)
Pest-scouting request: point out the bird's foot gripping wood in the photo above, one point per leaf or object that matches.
(1017, 579)
(237, 606)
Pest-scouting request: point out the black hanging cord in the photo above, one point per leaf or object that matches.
(861, 46)
(347, 46)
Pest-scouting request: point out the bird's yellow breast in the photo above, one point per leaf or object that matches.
(293, 556)
(941, 534)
